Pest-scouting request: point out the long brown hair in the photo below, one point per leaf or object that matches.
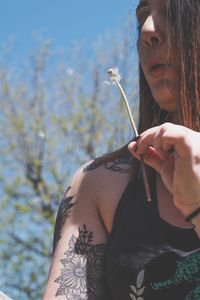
(183, 23)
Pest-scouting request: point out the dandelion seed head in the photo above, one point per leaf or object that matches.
(114, 74)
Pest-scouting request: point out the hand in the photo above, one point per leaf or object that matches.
(174, 152)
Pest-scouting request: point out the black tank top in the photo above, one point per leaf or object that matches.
(146, 257)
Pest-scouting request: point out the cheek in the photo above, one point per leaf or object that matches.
(139, 48)
(142, 55)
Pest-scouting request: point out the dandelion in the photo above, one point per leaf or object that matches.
(114, 74)
(116, 77)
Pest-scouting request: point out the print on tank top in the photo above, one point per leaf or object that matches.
(178, 274)
(138, 289)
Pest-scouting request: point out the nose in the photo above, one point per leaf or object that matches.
(150, 34)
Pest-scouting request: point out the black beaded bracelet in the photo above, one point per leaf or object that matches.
(192, 215)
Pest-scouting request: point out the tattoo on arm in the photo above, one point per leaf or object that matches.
(92, 166)
(122, 164)
(82, 273)
(63, 213)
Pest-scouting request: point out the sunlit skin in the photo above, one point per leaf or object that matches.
(157, 57)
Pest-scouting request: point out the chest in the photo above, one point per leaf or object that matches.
(111, 196)
(147, 257)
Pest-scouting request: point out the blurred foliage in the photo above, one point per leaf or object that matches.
(58, 110)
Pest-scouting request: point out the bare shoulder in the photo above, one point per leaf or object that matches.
(96, 174)
(107, 182)
(93, 195)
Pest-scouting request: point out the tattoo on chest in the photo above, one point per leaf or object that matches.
(63, 213)
(82, 272)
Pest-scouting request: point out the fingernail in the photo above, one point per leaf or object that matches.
(133, 147)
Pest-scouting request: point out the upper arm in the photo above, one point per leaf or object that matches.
(79, 244)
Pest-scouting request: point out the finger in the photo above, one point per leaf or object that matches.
(163, 137)
(162, 154)
(178, 140)
(151, 157)
(146, 140)
(132, 147)
(160, 143)
(157, 141)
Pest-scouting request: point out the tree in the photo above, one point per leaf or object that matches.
(57, 113)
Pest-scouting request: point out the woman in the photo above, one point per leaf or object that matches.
(109, 242)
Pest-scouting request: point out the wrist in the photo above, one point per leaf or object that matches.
(196, 224)
(193, 215)
(187, 211)
(194, 219)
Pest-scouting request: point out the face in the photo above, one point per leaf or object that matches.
(157, 56)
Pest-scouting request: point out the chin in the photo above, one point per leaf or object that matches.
(166, 104)
(167, 101)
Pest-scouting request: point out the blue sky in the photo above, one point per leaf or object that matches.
(63, 21)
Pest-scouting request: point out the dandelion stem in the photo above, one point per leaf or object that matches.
(127, 106)
(114, 76)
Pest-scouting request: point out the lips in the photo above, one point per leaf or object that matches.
(157, 69)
